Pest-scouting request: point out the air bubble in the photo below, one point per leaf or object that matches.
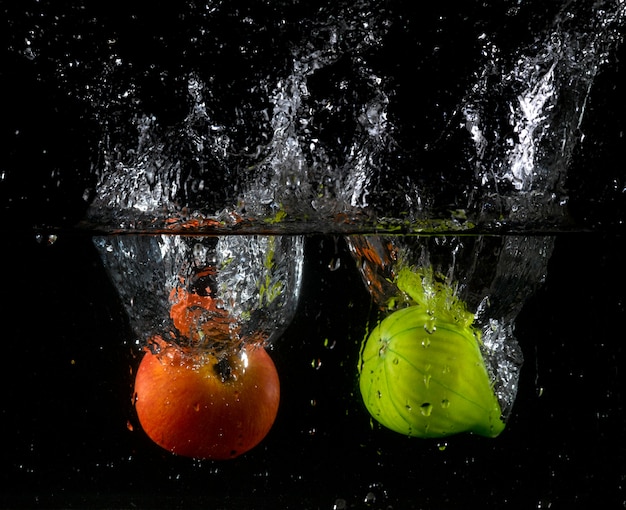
(382, 350)
(334, 264)
(430, 326)
(340, 504)
(48, 240)
(426, 408)
(427, 378)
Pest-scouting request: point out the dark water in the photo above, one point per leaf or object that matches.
(72, 439)
(91, 92)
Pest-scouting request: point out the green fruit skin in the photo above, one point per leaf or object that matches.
(427, 384)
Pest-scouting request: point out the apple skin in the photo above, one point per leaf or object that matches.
(194, 405)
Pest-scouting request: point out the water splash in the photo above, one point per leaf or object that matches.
(252, 282)
(523, 116)
(492, 276)
(319, 136)
(312, 128)
(203, 167)
(525, 110)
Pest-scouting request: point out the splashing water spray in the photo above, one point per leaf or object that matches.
(444, 358)
(203, 218)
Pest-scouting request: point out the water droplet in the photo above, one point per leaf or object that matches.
(340, 504)
(429, 326)
(334, 264)
(426, 342)
(49, 240)
(427, 378)
(426, 408)
(370, 498)
(445, 403)
(328, 344)
(383, 347)
(395, 361)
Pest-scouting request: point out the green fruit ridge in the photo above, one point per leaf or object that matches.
(421, 371)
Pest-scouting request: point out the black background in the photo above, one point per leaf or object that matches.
(67, 414)
(70, 435)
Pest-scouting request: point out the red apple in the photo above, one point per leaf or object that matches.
(196, 405)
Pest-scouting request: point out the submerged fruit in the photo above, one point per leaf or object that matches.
(195, 405)
(422, 373)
